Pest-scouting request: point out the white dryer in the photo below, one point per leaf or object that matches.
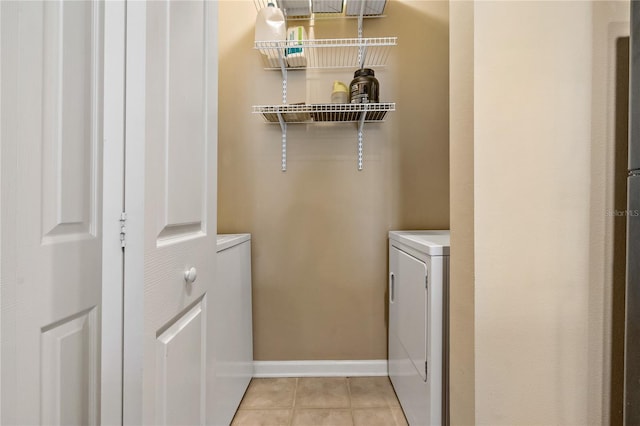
(418, 324)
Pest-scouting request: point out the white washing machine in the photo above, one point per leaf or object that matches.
(418, 324)
(232, 326)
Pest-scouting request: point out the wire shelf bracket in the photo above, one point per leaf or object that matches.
(363, 114)
(283, 126)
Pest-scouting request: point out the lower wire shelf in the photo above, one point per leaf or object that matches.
(302, 113)
(324, 113)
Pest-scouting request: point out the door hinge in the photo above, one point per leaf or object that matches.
(426, 281)
(123, 229)
(426, 370)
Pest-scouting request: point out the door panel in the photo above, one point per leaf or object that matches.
(52, 263)
(171, 48)
(400, 365)
(186, 143)
(181, 380)
(69, 138)
(70, 371)
(176, 100)
(406, 335)
(411, 293)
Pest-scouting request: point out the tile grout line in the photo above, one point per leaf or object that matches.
(353, 420)
(293, 405)
(396, 408)
(391, 406)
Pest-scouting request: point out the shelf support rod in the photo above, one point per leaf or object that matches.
(283, 127)
(360, 128)
(362, 55)
(283, 124)
(360, 48)
(283, 68)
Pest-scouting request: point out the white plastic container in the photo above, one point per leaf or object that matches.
(296, 56)
(271, 26)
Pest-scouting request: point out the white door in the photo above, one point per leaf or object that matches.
(171, 142)
(413, 309)
(51, 153)
(408, 314)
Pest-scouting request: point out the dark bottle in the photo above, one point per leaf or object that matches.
(364, 87)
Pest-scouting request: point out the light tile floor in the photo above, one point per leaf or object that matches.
(320, 401)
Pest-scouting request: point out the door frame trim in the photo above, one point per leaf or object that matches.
(134, 194)
(112, 206)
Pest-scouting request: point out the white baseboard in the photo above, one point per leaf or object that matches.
(368, 367)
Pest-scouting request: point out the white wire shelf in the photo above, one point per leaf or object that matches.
(326, 9)
(325, 53)
(329, 53)
(325, 113)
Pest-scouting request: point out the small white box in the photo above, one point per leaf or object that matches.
(327, 6)
(295, 7)
(295, 53)
(371, 7)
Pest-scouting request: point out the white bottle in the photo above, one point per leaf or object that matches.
(271, 26)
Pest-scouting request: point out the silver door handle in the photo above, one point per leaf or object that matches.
(392, 290)
(190, 275)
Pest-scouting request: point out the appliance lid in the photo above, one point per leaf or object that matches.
(225, 241)
(433, 243)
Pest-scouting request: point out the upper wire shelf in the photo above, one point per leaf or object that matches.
(329, 53)
(326, 9)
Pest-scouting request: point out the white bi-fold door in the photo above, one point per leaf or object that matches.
(171, 115)
(141, 101)
(51, 158)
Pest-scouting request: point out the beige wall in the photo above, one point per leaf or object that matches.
(320, 229)
(532, 164)
(542, 140)
(461, 371)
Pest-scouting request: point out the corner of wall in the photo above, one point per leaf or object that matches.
(462, 304)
